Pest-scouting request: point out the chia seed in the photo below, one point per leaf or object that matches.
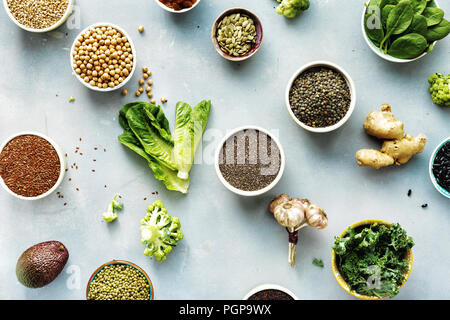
(441, 167)
(320, 97)
(250, 160)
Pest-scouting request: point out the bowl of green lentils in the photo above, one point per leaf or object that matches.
(119, 280)
(320, 97)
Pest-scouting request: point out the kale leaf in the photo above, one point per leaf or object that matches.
(372, 259)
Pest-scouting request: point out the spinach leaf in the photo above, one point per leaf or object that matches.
(433, 15)
(419, 6)
(384, 3)
(373, 27)
(399, 19)
(418, 25)
(385, 13)
(438, 32)
(408, 46)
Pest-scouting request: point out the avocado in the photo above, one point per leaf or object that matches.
(41, 264)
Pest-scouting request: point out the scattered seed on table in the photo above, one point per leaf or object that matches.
(409, 192)
(141, 29)
(124, 92)
(425, 205)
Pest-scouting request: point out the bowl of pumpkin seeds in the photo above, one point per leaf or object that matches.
(38, 16)
(119, 280)
(237, 34)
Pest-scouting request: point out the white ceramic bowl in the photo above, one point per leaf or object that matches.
(380, 53)
(162, 5)
(351, 87)
(53, 27)
(256, 192)
(441, 190)
(269, 286)
(62, 162)
(133, 51)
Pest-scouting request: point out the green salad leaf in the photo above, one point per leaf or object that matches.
(372, 259)
(147, 132)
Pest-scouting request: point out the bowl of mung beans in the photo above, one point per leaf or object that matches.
(320, 97)
(103, 57)
(119, 280)
(38, 16)
(237, 34)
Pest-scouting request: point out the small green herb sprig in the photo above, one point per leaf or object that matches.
(372, 259)
(405, 28)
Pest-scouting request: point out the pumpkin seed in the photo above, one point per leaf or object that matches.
(236, 34)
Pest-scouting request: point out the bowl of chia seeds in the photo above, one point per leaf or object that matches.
(249, 161)
(320, 97)
(32, 165)
(439, 168)
(38, 16)
(270, 292)
(119, 280)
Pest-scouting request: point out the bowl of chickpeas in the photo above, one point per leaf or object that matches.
(103, 57)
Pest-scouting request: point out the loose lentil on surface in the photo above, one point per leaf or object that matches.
(103, 57)
(119, 282)
(236, 34)
(441, 167)
(29, 165)
(257, 167)
(320, 97)
(37, 14)
(270, 294)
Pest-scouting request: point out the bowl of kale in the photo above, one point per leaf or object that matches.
(372, 259)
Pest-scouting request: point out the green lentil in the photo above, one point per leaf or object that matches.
(320, 97)
(119, 282)
(236, 34)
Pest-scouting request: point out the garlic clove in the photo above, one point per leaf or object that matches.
(316, 217)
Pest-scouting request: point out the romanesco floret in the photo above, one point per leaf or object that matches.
(159, 232)
(113, 207)
(290, 8)
(440, 89)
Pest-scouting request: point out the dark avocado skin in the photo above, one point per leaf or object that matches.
(41, 264)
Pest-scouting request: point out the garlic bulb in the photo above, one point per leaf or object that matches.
(295, 214)
(290, 215)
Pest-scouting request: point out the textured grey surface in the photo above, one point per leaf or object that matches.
(231, 244)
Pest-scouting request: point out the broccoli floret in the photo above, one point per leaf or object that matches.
(111, 214)
(159, 232)
(290, 8)
(440, 89)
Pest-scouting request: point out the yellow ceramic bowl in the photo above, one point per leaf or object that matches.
(340, 279)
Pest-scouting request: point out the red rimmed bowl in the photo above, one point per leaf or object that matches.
(259, 34)
(122, 262)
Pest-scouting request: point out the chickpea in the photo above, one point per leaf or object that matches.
(141, 29)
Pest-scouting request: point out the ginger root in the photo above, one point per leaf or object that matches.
(398, 148)
(373, 158)
(404, 149)
(383, 125)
